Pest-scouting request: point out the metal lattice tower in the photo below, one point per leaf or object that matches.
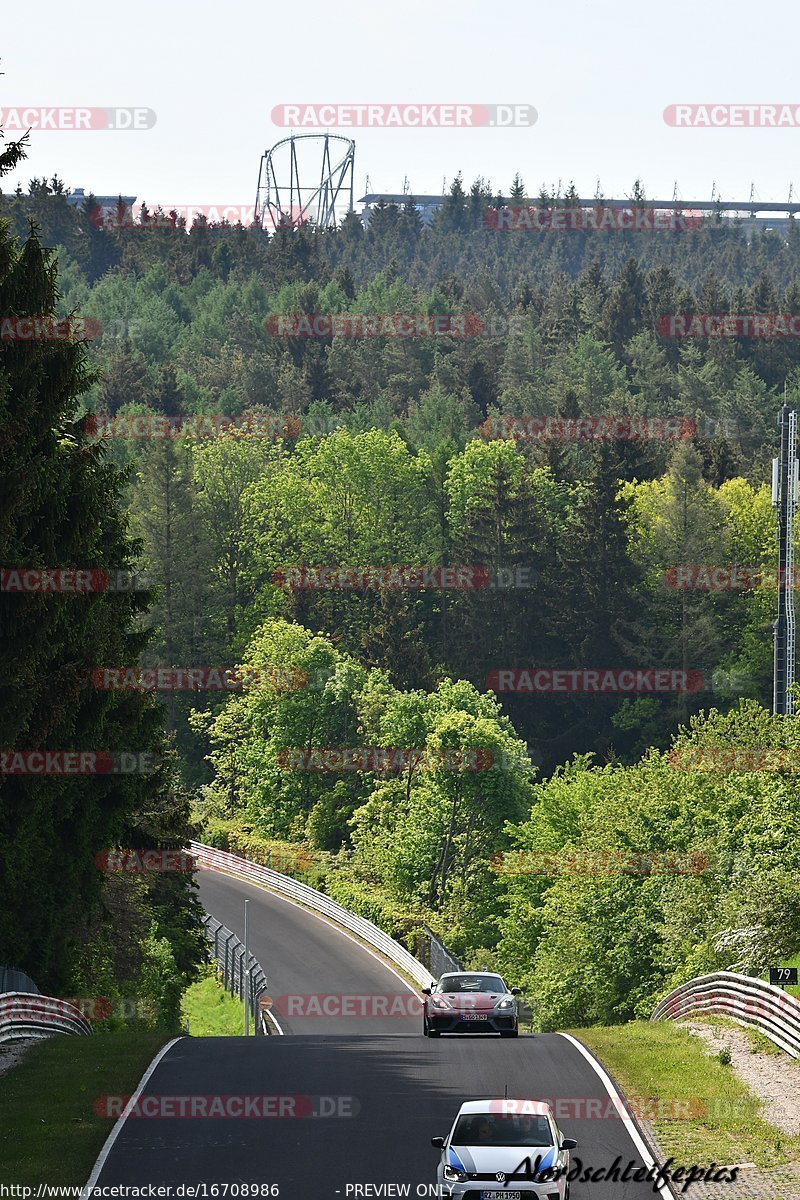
(283, 198)
(785, 500)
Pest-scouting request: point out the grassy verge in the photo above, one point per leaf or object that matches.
(699, 1109)
(210, 1011)
(51, 1133)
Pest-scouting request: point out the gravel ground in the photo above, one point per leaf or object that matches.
(12, 1053)
(775, 1078)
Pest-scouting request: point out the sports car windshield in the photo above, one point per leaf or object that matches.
(471, 983)
(501, 1129)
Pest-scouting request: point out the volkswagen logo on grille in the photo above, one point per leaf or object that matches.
(500, 1176)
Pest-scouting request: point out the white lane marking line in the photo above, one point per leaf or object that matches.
(115, 1132)
(664, 1191)
(262, 887)
(269, 1017)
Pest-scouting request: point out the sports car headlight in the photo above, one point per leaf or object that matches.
(507, 1002)
(440, 1002)
(454, 1176)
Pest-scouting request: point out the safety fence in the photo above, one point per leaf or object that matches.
(741, 998)
(14, 980)
(28, 1015)
(434, 955)
(242, 868)
(230, 956)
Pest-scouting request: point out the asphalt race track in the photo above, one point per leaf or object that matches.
(303, 955)
(388, 1089)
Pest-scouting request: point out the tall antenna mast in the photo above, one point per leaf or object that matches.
(784, 499)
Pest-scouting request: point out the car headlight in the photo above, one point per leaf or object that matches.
(454, 1176)
(507, 1002)
(440, 1002)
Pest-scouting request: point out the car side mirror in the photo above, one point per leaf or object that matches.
(569, 1144)
(426, 991)
(438, 1143)
(516, 991)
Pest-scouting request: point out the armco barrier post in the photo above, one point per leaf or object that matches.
(246, 975)
(227, 970)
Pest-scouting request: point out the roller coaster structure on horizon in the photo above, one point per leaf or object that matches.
(282, 199)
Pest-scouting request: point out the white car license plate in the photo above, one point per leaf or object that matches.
(501, 1195)
(471, 1016)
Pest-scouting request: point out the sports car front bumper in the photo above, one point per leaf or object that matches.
(453, 1021)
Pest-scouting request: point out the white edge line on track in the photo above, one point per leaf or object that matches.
(121, 1119)
(269, 1017)
(664, 1191)
(325, 920)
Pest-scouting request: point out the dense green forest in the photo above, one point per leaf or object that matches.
(401, 451)
(72, 928)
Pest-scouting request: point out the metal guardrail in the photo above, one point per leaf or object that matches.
(740, 998)
(229, 953)
(435, 955)
(28, 1015)
(14, 980)
(234, 864)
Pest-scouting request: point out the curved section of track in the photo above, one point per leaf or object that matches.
(356, 1101)
(313, 968)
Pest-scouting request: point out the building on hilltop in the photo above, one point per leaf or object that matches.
(107, 204)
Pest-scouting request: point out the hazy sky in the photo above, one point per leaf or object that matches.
(599, 76)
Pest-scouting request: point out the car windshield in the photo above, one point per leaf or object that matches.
(471, 983)
(502, 1129)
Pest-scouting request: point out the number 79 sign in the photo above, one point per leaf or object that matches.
(783, 976)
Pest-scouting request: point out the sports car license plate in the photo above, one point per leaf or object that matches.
(501, 1195)
(475, 1017)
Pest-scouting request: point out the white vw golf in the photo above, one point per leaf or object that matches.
(504, 1150)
